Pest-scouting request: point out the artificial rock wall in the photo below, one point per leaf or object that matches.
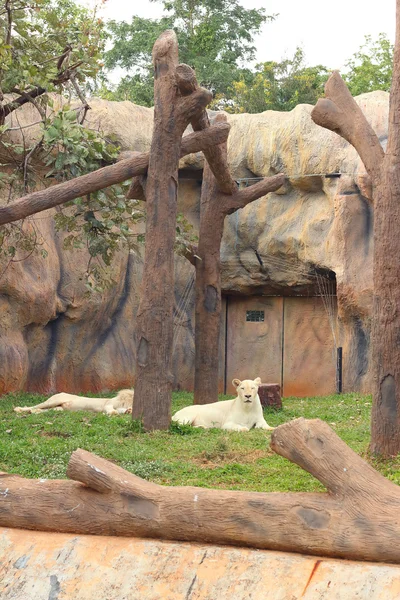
(54, 337)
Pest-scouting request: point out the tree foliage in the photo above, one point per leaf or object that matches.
(57, 46)
(371, 67)
(45, 42)
(279, 86)
(215, 37)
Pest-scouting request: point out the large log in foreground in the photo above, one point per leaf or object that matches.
(358, 518)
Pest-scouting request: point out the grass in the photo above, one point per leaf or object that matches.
(41, 445)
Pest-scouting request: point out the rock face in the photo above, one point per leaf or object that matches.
(313, 238)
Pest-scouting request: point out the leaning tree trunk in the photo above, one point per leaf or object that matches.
(208, 293)
(356, 519)
(385, 426)
(214, 206)
(154, 325)
(340, 113)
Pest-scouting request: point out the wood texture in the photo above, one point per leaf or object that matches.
(356, 519)
(186, 80)
(214, 206)
(340, 113)
(154, 325)
(133, 164)
(385, 438)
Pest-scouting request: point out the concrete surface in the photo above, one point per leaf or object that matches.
(43, 566)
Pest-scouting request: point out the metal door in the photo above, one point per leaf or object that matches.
(282, 340)
(253, 339)
(309, 356)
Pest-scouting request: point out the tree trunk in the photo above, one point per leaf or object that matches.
(154, 324)
(208, 292)
(214, 206)
(385, 426)
(356, 519)
(340, 113)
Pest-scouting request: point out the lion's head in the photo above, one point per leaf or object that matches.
(247, 389)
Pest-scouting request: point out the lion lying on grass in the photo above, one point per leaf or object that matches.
(121, 404)
(240, 414)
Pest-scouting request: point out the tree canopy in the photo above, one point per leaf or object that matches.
(371, 67)
(279, 86)
(57, 46)
(45, 44)
(216, 38)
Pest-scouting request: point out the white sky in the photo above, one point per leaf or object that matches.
(329, 31)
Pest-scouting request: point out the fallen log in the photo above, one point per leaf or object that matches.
(356, 519)
(128, 168)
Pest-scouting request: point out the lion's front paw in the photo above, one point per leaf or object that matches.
(264, 426)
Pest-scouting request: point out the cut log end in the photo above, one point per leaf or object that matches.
(167, 43)
(186, 79)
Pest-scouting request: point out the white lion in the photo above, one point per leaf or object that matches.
(240, 414)
(121, 404)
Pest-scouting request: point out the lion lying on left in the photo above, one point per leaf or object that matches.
(121, 404)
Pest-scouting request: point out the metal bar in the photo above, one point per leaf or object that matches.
(226, 343)
(339, 370)
(283, 345)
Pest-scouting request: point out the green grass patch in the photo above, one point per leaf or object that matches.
(41, 445)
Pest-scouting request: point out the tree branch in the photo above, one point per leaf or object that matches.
(187, 84)
(243, 197)
(340, 113)
(23, 99)
(191, 106)
(85, 105)
(190, 253)
(33, 101)
(103, 178)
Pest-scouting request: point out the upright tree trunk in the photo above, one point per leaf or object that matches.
(208, 293)
(172, 113)
(214, 206)
(154, 318)
(385, 427)
(340, 113)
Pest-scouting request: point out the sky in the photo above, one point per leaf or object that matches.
(329, 32)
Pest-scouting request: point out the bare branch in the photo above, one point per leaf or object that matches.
(9, 23)
(187, 84)
(190, 107)
(85, 105)
(190, 253)
(340, 113)
(23, 99)
(33, 101)
(102, 178)
(243, 197)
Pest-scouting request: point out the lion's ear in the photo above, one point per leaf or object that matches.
(236, 382)
(257, 381)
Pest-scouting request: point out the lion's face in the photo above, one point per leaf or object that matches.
(247, 389)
